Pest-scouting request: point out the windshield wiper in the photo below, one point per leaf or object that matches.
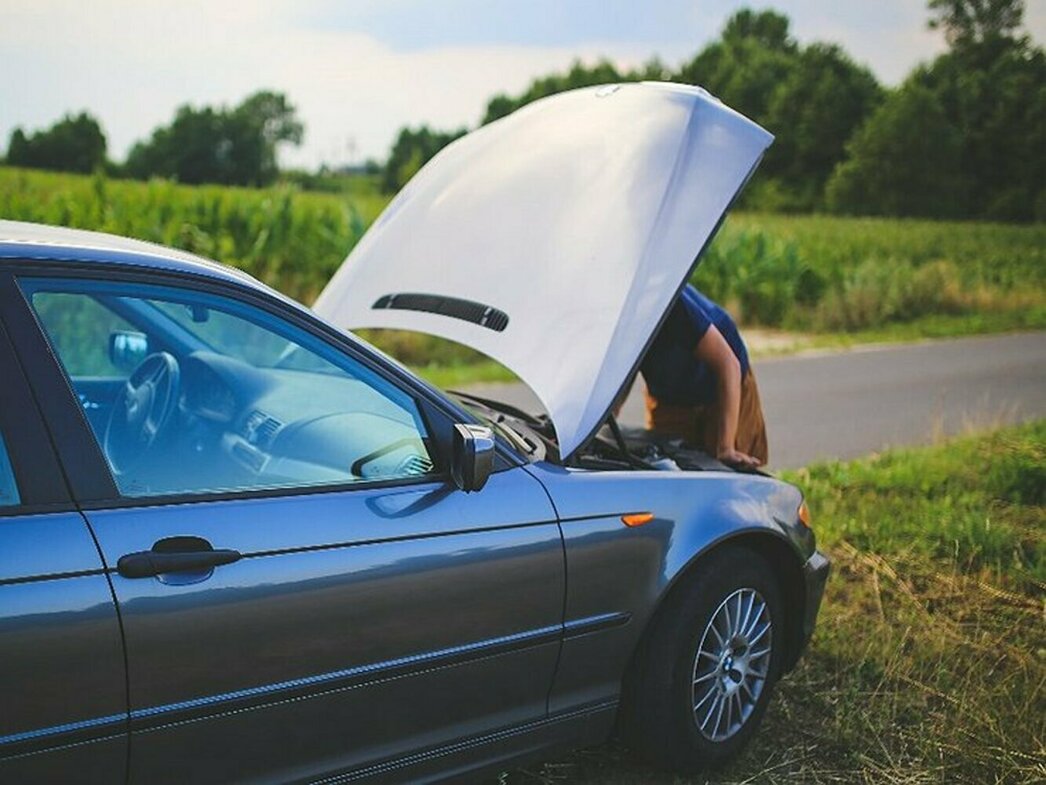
(499, 422)
(520, 441)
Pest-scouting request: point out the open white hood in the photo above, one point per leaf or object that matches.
(554, 240)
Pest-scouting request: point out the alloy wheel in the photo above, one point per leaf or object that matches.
(731, 664)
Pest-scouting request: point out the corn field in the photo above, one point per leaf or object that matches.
(292, 240)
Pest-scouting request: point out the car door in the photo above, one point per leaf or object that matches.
(62, 678)
(302, 589)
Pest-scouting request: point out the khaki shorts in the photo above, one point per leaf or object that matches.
(699, 425)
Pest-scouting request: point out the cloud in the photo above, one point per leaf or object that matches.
(133, 64)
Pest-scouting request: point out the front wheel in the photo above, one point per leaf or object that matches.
(703, 676)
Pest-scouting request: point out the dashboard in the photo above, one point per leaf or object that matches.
(271, 427)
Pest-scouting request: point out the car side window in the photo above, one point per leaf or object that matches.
(8, 487)
(214, 395)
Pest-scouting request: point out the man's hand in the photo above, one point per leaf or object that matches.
(732, 457)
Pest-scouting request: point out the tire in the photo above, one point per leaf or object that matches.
(688, 658)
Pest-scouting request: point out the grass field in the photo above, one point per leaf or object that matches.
(842, 280)
(929, 660)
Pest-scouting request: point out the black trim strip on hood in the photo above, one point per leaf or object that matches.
(467, 310)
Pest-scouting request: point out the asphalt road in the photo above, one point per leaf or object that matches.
(847, 404)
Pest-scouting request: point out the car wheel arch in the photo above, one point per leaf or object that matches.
(788, 569)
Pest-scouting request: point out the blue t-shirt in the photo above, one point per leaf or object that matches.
(672, 373)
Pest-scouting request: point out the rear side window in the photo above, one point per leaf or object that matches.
(8, 487)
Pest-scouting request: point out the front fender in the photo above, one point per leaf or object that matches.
(618, 576)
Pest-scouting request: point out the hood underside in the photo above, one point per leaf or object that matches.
(555, 240)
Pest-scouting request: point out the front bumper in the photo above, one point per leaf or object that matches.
(815, 575)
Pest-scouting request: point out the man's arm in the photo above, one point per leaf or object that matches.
(716, 352)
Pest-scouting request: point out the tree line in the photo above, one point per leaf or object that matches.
(229, 146)
(963, 136)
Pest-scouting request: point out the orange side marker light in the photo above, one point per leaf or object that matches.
(637, 518)
(804, 515)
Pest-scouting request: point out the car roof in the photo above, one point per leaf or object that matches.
(30, 241)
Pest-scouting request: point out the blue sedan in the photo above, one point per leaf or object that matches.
(239, 544)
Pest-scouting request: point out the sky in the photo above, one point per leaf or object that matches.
(359, 70)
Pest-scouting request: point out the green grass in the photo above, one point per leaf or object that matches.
(838, 281)
(458, 375)
(929, 660)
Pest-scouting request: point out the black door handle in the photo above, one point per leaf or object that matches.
(148, 564)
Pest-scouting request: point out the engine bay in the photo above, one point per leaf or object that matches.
(611, 448)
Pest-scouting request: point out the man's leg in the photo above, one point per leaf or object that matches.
(699, 425)
(672, 421)
(751, 427)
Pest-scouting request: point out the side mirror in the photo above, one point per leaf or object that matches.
(127, 349)
(473, 458)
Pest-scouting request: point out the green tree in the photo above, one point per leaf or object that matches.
(744, 68)
(967, 23)
(767, 28)
(1000, 113)
(230, 146)
(73, 144)
(814, 111)
(17, 148)
(411, 151)
(906, 160)
(256, 127)
(194, 148)
(965, 136)
(992, 87)
(811, 98)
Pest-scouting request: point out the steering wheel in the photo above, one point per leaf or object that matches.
(142, 410)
